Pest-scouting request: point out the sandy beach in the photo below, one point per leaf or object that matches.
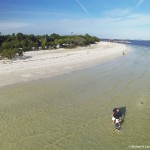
(46, 63)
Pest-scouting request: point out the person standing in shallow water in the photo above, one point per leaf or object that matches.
(116, 115)
(117, 125)
(113, 118)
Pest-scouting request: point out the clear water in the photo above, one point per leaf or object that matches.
(73, 111)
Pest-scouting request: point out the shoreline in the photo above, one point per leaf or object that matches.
(47, 63)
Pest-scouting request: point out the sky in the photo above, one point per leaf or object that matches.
(122, 19)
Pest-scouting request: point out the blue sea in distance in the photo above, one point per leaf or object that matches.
(132, 42)
(139, 42)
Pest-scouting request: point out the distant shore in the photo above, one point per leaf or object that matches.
(46, 63)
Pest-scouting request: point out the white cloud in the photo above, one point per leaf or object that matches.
(12, 25)
(128, 21)
(130, 26)
(121, 12)
(118, 12)
(36, 13)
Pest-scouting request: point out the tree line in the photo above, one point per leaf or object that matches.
(16, 44)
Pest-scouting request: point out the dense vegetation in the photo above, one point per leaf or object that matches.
(16, 44)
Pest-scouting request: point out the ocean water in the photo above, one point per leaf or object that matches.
(73, 111)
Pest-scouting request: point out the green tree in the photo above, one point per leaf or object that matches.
(6, 45)
(20, 36)
(55, 36)
(10, 45)
(8, 53)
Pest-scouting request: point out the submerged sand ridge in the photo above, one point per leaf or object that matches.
(46, 63)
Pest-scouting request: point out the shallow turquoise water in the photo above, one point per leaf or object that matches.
(73, 111)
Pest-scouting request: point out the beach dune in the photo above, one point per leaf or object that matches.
(46, 63)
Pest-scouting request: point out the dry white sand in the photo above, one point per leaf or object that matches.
(46, 63)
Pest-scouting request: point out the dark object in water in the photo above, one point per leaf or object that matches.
(123, 112)
(141, 103)
(123, 53)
